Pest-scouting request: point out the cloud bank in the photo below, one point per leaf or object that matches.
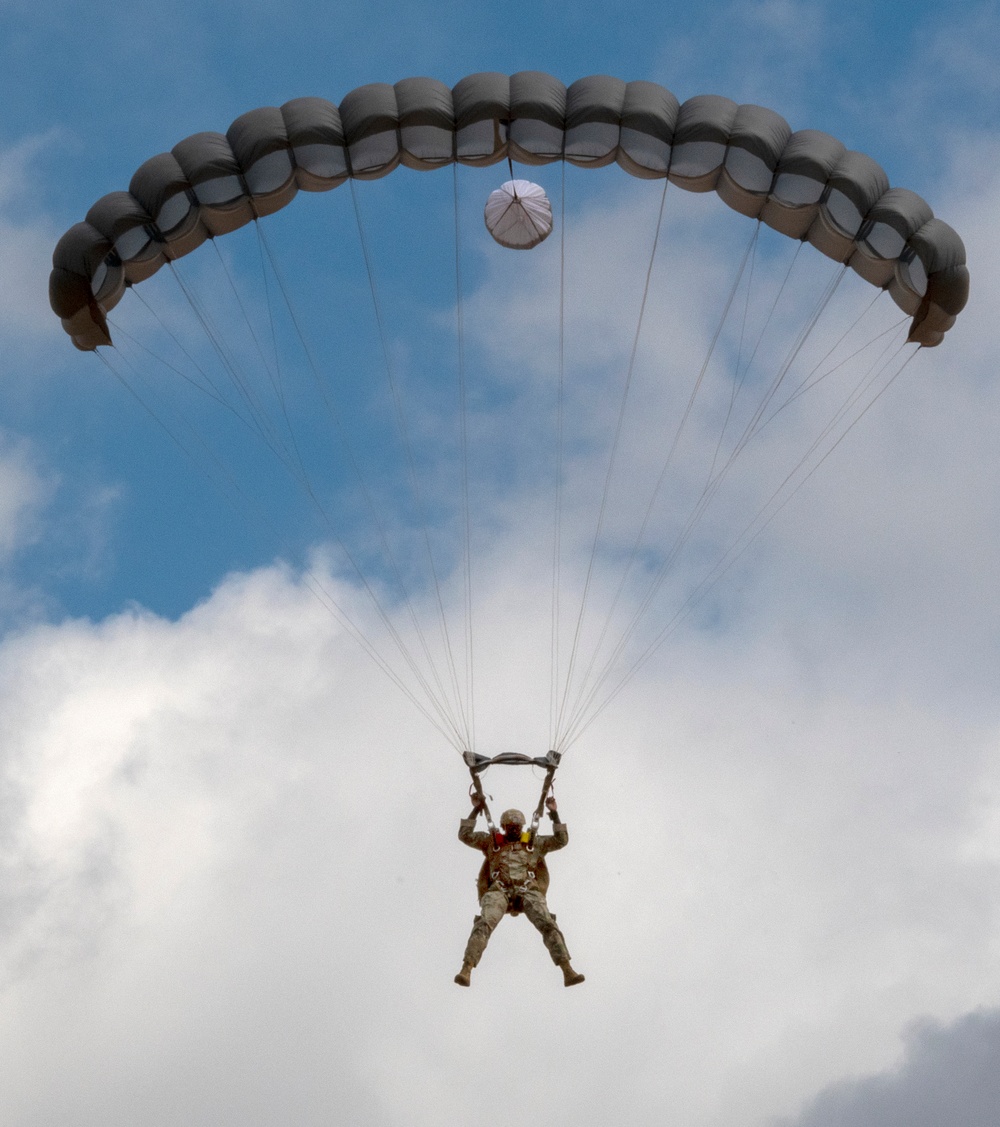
(949, 1075)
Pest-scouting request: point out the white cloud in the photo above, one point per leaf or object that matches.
(51, 530)
(26, 244)
(226, 841)
(24, 492)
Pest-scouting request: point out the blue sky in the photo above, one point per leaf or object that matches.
(231, 889)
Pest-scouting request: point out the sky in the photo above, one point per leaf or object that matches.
(230, 883)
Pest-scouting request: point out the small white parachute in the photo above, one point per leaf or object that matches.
(518, 215)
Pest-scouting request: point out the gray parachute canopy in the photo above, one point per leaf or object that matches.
(805, 184)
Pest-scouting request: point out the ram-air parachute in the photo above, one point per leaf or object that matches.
(803, 185)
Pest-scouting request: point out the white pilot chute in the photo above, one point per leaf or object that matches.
(518, 215)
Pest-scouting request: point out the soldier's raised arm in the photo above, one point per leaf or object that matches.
(560, 833)
(467, 826)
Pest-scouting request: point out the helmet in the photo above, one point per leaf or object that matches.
(511, 818)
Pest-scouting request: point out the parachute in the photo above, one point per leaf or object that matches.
(805, 186)
(518, 215)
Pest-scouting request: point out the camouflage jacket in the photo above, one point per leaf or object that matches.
(514, 865)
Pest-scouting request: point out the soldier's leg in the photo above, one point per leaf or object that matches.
(491, 911)
(537, 910)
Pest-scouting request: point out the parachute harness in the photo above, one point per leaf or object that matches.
(477, 764)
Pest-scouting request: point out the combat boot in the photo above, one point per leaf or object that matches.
(464, 976)
(570, 977)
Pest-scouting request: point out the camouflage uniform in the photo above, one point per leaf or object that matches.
(514, 878)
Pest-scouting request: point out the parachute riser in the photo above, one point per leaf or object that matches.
(479, 763)
(476, 792)
(546, 789)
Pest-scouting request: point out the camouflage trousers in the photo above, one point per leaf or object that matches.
(492, 908)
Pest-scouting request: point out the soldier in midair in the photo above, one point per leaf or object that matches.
(514, 878)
